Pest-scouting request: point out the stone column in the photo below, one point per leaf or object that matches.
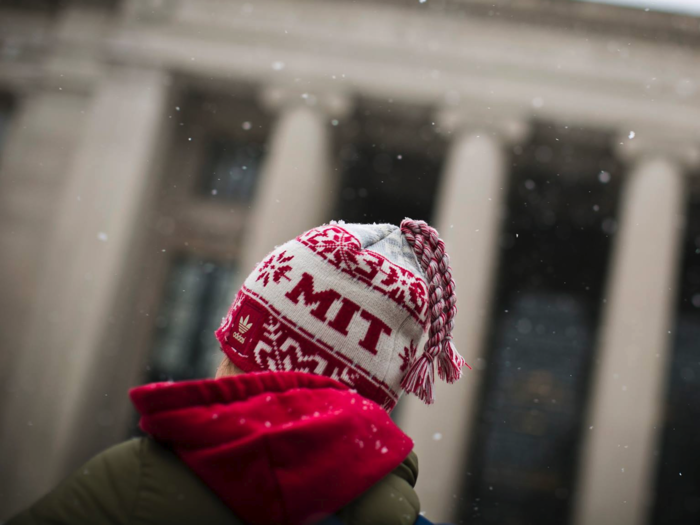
(624, 421)
(41, 140)
(468, 216)
(296, 190)
(94, 223)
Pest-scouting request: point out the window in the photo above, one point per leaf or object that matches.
(6, 107)
(384, 185)
(197, 297)
(215, 147)
(232, 170)
(678, 477)
(553, 255)
(390, 168)
(51, 7)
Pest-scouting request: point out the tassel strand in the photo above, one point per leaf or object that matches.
(431, 254)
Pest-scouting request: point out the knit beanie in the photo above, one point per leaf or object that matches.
(353, 302)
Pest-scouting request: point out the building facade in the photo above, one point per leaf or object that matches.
(152, 151)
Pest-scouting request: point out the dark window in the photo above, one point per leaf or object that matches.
(390, 164)
(198, 294)
(386, 185)
(553, 258)
(49, 6)
(678, 480)
(232, 169)
(6, 107)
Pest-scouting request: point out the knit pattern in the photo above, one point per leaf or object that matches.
(351, 302)
(430, 251)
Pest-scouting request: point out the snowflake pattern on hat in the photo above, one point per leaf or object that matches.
(354, 302)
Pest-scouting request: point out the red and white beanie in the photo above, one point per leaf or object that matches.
(354, 302)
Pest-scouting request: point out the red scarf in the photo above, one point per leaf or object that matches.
(276, 447)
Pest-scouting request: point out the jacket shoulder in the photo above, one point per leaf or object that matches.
(134, 483)
(104, 487)
(140, 481)
(390, 501)
(170, 493)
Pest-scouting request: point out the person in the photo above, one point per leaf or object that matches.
(320, 342)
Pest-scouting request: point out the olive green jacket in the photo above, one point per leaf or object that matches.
(140, 482)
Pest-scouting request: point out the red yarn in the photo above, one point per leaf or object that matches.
(271, 444)
(431, 254)
(420, 378)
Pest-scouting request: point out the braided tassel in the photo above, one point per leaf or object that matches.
(450, 363)
(430, 251)
(420, 378)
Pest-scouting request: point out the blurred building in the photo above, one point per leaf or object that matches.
(152, 151)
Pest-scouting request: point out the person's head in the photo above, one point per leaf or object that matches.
(354, 302)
